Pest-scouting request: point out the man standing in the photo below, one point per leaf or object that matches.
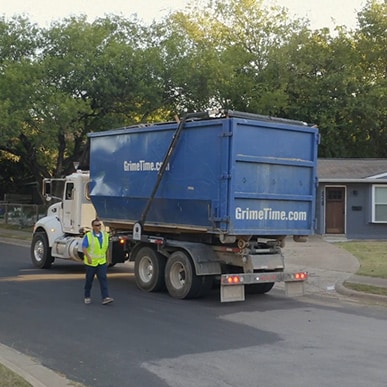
(95, 248)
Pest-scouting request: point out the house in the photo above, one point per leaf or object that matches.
(352, 198)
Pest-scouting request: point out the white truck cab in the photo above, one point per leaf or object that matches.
(59, 234)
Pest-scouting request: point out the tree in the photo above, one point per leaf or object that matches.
(19, 81)
(74, 78)
(339, 82)
(369, 114)
(60, 83)
(217, 53)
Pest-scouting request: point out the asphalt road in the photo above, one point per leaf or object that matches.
(153, 340)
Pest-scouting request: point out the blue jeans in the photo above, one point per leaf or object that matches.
(100, 271)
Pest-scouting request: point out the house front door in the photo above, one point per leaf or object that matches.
(335, 210)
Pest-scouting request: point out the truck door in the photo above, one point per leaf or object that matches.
(69, 207)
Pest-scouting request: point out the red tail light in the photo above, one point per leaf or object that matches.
(301, 276)
(233, 279)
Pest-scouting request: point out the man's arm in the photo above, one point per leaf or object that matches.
(108, 261)
(108, 256)
(89, 261)
(85, 245)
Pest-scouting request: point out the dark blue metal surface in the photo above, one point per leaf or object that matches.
(233, 175)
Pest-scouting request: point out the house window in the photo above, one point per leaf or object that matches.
(335, 195)
(379, 203)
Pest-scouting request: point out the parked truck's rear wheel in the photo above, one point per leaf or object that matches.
(41, 251)
(180, 277)
(259, 288)
(149, 267)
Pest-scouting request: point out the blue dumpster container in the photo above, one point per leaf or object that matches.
(231, 175)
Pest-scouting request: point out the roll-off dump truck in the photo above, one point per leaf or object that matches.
(201, 201)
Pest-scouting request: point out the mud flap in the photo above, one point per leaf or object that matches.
(232, 293)
(294, 288)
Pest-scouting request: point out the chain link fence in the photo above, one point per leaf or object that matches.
(22, 215)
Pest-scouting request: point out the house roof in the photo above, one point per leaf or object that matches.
(351, 169)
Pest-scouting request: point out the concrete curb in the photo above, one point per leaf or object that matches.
(30, 370)
(374, 298)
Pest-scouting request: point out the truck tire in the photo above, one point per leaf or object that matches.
(41, 251)
(180, 277)
(149, 267)
(259, 288)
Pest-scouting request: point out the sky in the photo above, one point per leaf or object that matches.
(43, 12)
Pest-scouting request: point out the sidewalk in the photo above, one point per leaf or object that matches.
(328, 266)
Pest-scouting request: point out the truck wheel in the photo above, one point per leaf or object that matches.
(180, 277)
(149, 267)
(259, 288)
(40, 251)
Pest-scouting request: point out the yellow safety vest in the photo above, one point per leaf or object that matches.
(96, 252)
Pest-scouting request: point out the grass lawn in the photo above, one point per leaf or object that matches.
(366, 288)
(13, 231)
(9, 378)
(372, 256)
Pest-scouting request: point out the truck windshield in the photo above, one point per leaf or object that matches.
(54, 188)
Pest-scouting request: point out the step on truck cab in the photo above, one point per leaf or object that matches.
(203, 200)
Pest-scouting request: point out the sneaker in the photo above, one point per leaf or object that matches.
(107, 300)
(87, 300)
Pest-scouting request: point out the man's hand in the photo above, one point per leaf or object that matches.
(88, 258)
